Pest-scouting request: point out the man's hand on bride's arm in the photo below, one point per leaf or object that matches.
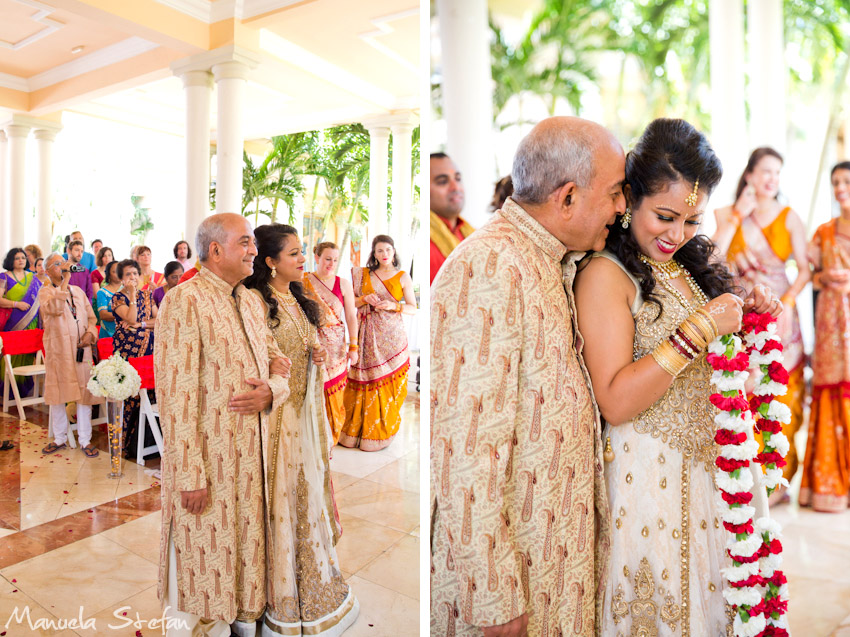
(517, 627)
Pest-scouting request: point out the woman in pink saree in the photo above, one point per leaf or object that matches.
(377, 384)
(335, 297)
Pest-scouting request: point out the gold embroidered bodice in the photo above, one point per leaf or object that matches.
(683, 417)
(292, 345)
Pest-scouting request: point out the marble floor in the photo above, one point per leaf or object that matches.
(76, 545)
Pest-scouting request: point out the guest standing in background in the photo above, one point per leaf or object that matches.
(173, 274)
(19, 307)
(335, 297)
(103, 257)
(758, 235)
(448, 228)
(103, 306)
(33, 254)
(135, 319)
(183, 254)
(377, 383)
(69, 332)
(86, 258)
(826, 469)
(96, 245)
(80, 275)
(148, 278)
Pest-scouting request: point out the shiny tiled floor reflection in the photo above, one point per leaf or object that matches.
(71, 538)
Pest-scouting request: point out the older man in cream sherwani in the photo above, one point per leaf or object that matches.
(212, 361)
(517, 499)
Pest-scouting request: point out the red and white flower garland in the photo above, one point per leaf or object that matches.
(757, 588)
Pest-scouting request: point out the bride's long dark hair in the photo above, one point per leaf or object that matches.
(270, 241)
(671, 150)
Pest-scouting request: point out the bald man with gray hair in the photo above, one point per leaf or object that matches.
(219, 375)
(520, 524)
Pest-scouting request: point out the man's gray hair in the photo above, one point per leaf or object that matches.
(50, 256)
(545, 162)
(211, 229)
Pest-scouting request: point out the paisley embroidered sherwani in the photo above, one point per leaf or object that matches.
(210, 339)
(517, 499)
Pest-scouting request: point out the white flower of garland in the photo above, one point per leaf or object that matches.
(738, 424)
(778, 411)
(742, 451)
(779, 441)
(768, 525)
(773, 478)
(744, 548)
(729, 484)
(758, 339)
(769, 388)
(742, 572)
(769, 564)
(738, 515)
(773, 356)
(724, 382)
(748, 595)
(751, 628)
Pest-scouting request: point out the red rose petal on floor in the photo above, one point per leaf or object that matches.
(14, 581)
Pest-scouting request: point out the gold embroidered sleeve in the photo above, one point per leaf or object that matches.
(177, 351)
(476, 340)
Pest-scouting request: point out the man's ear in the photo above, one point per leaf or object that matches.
(565, 197)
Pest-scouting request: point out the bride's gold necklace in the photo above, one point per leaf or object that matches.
(666, 271)
(301, 324)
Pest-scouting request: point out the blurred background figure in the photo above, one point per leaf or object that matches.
(448, 228)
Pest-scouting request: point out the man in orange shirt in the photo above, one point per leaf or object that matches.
(448, 228)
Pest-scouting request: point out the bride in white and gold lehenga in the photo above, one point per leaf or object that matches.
(645, 343)
(306, 592)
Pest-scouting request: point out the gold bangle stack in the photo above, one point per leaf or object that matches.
(686, 343)
(352, 347)
(705, 321)
(670, 360)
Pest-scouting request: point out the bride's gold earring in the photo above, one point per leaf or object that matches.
(274, 272)
(627, 219)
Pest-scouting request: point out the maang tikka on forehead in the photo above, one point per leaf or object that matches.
(691, 199)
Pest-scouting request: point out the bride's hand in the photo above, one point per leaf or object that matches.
(762, 300)
(727, 312)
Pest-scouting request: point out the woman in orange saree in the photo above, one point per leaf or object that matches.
(377, 384)
(826, 468)
(759, 235)
(336, 300)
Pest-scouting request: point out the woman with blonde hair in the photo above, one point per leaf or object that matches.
(335, 297)
(377, 383)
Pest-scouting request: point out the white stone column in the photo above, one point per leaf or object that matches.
(44, 206)
(16, 183)
(402, 212)
(379, 137)
(468, 100)
(4, 217)
(197, 87)
(765, 41)
(728, 113)
(230, 79)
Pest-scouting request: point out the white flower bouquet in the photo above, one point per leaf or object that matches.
(114, 379)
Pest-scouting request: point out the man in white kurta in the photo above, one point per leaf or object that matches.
(69, 327)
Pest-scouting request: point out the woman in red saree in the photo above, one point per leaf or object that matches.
(759, 235)
(377, 384)
(826, 469)
(336, 300)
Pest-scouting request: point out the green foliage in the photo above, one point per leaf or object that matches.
(141, 223)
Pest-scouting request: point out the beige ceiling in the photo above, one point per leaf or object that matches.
(360, 58)
(18, 23)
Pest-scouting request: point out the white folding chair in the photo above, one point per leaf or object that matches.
(148, 417)
(37, 371)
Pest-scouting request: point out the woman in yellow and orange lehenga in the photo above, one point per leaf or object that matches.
(377, 384)
(336, 299)
(826, 469)
(758, 235)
